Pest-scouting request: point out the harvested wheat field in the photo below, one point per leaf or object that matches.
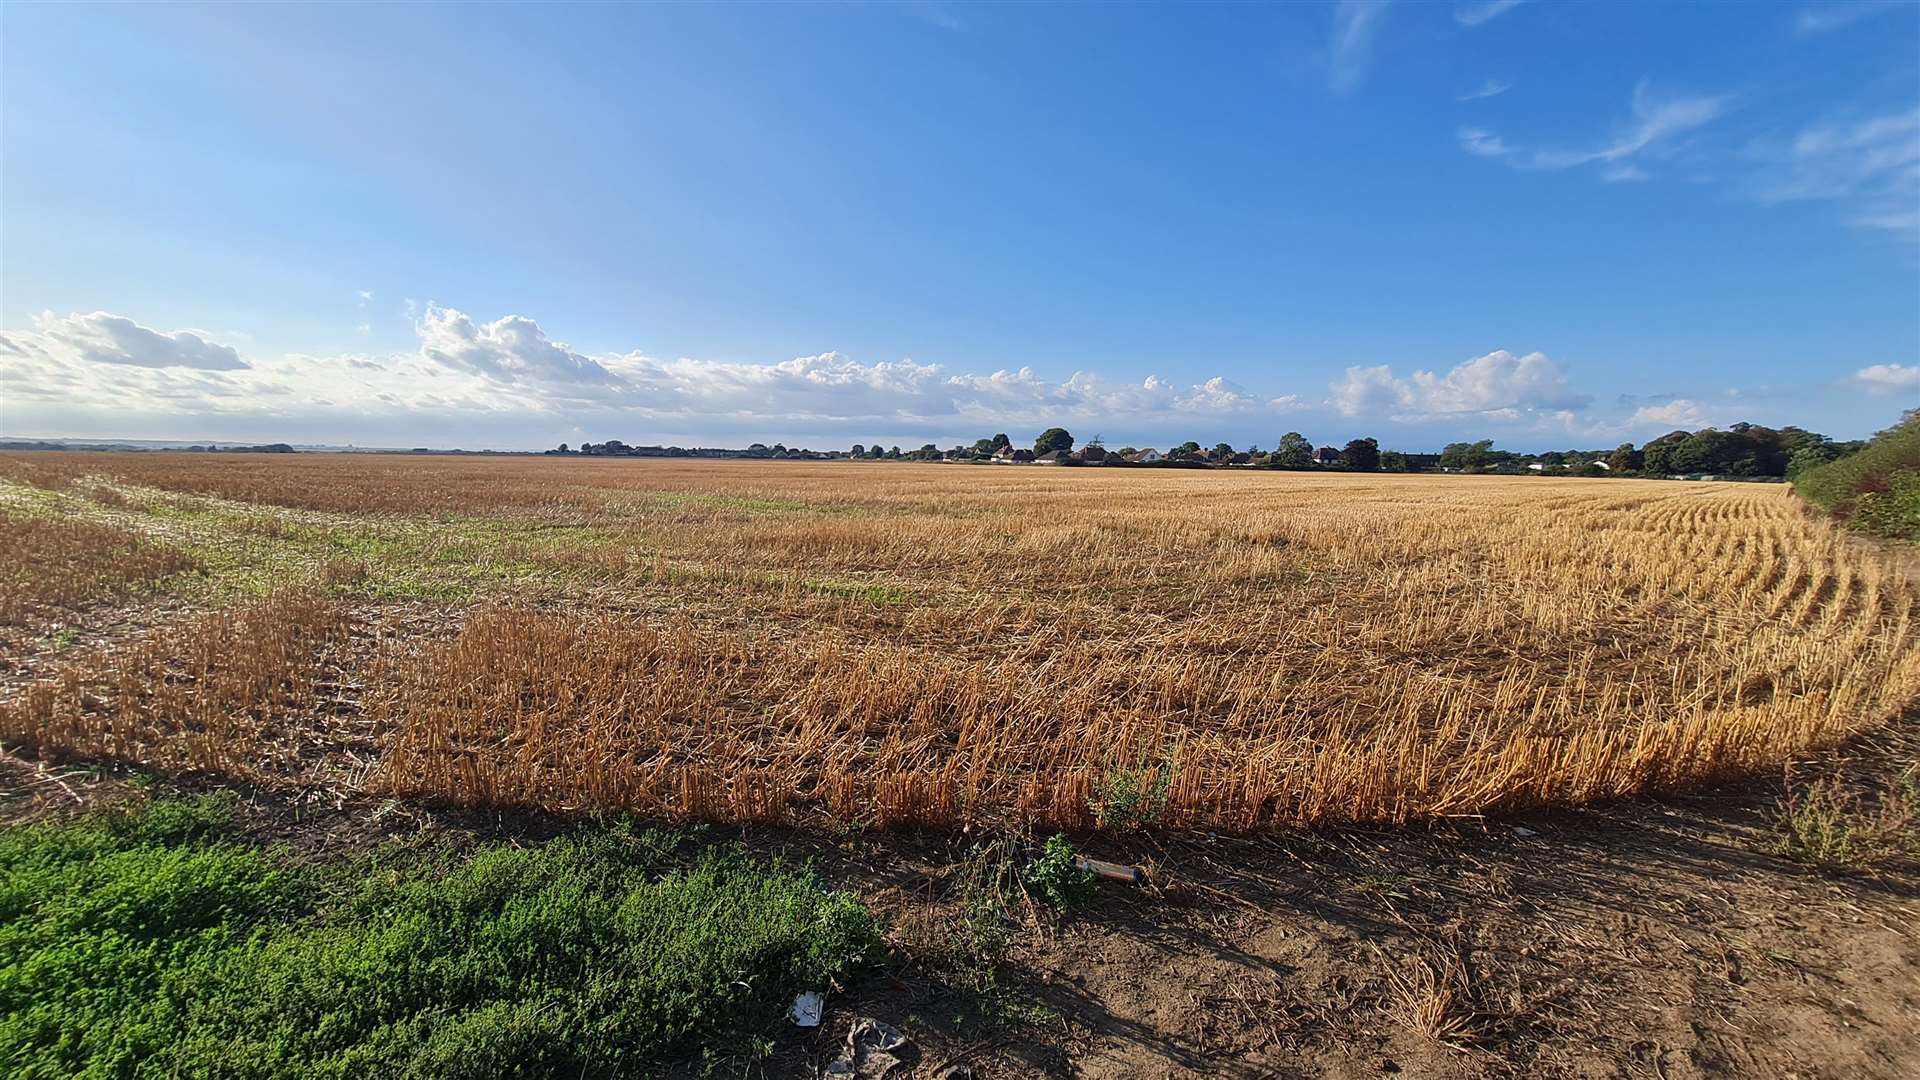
(934, 645)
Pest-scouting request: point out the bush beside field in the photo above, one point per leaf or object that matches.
(154, 944)
(1876, 490)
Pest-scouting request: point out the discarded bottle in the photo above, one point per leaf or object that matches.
(1132, 875)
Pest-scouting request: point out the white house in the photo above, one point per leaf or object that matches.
(1145, 457)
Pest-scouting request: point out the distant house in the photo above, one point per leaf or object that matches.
(1004, 455)
(1327, 455)
(1023, 457)
(1053, 457)
(1145, 457)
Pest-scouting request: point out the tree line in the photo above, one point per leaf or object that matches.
(1742, 450)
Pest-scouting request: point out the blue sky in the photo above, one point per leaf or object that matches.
(1551, 224)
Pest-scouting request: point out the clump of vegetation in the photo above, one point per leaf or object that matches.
(1055, 878)
(984, 932)
(1876, 490)
(1841, 828)
(1131, 796)
(156, 943)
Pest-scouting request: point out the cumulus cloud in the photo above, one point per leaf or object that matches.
(1678, 413)
(101, 338)
(512, 350)
(1484, 11)
(1350, 51)
(1889, 379)
(1499, 385)
(511, 368)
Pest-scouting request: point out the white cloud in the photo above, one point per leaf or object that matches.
(1819, 20)
(1351, 49)
(1499, 385)
(1678, 413)
(1655, 122)
(510, 371)
(1889, 379)
(1485, 11)
(1873, 164)
(1480, 141)
(101, 338)
(512, 350)
(1654, 129)
(1490, 88)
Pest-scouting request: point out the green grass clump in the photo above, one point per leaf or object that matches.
(153, 945)
(1877, 489)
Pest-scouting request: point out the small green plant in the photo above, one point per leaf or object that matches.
(1055, 878)
(1836, 828)
(1127, 797)
(1390, 886)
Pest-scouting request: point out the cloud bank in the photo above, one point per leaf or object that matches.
(507, 382)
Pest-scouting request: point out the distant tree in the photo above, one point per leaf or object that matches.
(1054, 438)
(984, 448)
(894, 453)
(999, 441)
(1223, 451)
(876, 451)
(858, 451)
(1295, 451)
(1393, 461)
(1624, 459)
(1661, 457)
(563, 448)
(1362, 454)
(1126, 451)
(1468, 457)
(1186, 449)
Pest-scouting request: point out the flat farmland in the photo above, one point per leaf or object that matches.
(933, 645)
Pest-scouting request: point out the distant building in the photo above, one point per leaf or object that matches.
(1053, 457)
(1145, 457)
